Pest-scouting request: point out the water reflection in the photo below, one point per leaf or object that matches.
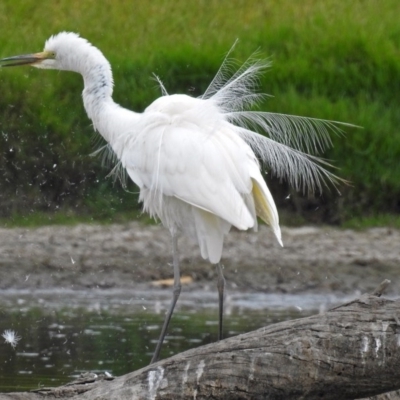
(64, 333)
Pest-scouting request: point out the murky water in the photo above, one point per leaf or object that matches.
(64, 333)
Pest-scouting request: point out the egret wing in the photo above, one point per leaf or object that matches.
(205, 166)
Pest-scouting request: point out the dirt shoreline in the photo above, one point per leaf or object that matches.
(124, 256)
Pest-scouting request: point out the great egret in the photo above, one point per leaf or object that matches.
(196, 160)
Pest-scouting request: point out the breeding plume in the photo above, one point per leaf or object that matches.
(197, 160)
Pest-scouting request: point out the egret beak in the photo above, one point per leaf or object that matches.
(25, 59)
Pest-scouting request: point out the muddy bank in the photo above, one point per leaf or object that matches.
(133, 255)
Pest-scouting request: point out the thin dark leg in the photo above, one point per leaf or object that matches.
(176, 292)
(221, 290)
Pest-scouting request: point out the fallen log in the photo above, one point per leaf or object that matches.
(349, 352)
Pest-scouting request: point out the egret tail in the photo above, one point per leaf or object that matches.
(265, 207)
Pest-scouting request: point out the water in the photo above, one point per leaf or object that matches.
(64, 333)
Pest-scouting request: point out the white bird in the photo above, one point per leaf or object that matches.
(196, 160)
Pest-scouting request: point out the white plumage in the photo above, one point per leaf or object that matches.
(194, 172)
(196, 160)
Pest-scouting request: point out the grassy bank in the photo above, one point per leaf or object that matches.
(334, 60)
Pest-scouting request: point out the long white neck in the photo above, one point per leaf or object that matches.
(108, 118)
(97, 93)
(98, 89)
(73, 53)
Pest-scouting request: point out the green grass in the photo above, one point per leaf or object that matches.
(334, 60)
(375, 221)
(67, 217)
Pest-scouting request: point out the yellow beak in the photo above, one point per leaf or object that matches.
(25, 59)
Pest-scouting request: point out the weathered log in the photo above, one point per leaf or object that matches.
(349, 352)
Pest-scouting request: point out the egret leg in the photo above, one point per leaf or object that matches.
(175, 295)
(221, 290)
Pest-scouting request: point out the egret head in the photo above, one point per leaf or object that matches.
(64, 51)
